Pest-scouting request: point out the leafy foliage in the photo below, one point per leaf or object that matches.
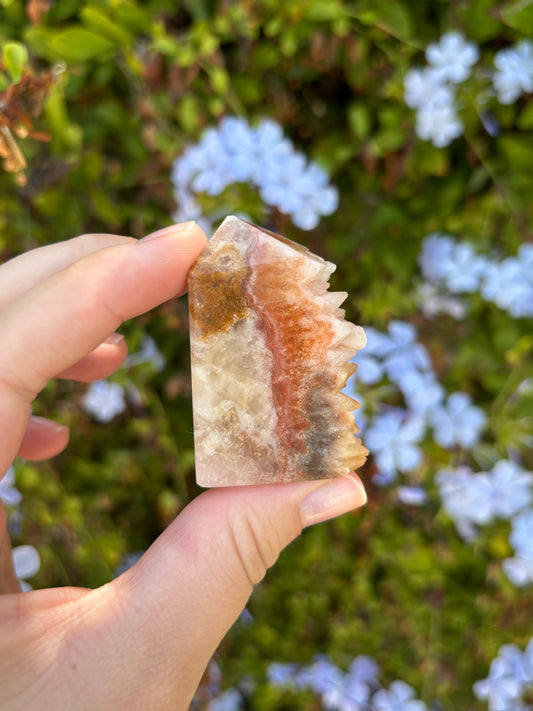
(129, 85)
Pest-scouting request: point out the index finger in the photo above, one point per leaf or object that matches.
(64, 317)
(24, 271)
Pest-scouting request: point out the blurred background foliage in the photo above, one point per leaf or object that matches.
(99, 98)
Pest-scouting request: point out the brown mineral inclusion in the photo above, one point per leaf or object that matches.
(270, 352)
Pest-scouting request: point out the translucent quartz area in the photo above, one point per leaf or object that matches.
(269, 357)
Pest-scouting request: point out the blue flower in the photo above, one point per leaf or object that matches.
(433, 302)
(509, 284)
(364, 669)
(401, 353)
(519, 570)
(210, 165)
(412, 495)
(526, 671)
(453, 265)
(9, 494)
(464, 270)
(479, 498)
(453, 57)
(230, 700)
(422, 391)
(300, 190)
(104, 400)
(353, 692)
(514, 71)
(422, 85)
(436, 252)
(27, 562)
(511, 488)
(392, 440)
(348, 697)
(279, 674)
(370, 369)
(516, 663)
(521, 537)
(438, 123)
(458, 422)
(501, 688)
(261, 156)
(148, 353)
(466, 497)
(253, 152)
(322, 676)
(399, 697)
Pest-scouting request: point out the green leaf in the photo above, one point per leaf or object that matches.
(100, 23)
(219, 80)
(359, 119)
(519, 16)
(525, 120)
(324, 11)
(15, 56)
(479, 21)
(518, 151)
(64, 134)
(78, 44)
(391, 17)
(200, 10)
(188, 113)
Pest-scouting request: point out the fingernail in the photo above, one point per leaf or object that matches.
(168, 231)
(114, 339)
(47, 424)
(332, 499)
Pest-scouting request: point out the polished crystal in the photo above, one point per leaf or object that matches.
(270, 352)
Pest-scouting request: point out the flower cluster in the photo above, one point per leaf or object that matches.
(105, 400)
(514, 71)
(394, 434)
(9, 494)
(260, 156)
(510, 678)
(455, 268)
(230, 700)
(431, 90)
(358, 689)
(27, 563)
(519, 569)
(473, 499)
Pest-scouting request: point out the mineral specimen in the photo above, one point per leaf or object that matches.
(269, 358)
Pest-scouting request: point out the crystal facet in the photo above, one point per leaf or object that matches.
(269, 358)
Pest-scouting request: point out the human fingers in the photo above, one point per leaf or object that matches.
(24, 271)
(45, 438)
(175, 605)
(57, 322)
(42, 439)
(100, 363)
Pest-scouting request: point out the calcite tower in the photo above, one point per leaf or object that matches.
(269, 356)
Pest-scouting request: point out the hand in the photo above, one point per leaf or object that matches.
(143, 640)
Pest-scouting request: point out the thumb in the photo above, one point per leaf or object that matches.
(192, 584)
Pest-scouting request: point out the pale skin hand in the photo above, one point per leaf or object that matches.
(143, 640)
